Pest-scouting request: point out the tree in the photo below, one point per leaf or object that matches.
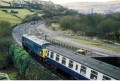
(5, 42)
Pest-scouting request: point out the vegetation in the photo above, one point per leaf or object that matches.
(22, 12)
(102, 26)
(36, 72)
(20, 59)
(5, 42)
(8, 17)
(34, 17)
(47, 11)
(14, 18)
(12, 73)
(54, 11)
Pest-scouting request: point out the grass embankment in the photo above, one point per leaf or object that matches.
(8, 17)
(21, 12)
(13, 19)
(96, 43)
(12, 73)
(34, 72)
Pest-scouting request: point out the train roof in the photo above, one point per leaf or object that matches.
(107, 69)
(36, 39)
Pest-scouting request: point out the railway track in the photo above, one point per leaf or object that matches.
(47, 68)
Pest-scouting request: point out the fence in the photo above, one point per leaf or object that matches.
(56, 42)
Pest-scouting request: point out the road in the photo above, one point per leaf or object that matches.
(40, 28)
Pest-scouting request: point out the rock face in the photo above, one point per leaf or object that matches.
(95, 7)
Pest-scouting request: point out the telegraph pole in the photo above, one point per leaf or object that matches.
(92, 11)
(13, 3)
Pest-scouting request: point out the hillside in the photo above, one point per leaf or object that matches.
(95, 7)
(7, 16)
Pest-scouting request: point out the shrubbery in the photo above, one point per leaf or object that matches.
(20, 59)
(33, 17)
(5, 42)
(103, 26)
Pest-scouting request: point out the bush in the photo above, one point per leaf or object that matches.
(30, 18)
(14, 11)
(31, 10)
(4, 10)
(5, 42)
(20, 59)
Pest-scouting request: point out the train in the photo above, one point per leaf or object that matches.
(78, 66)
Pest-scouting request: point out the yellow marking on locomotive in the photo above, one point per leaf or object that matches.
(43, 53)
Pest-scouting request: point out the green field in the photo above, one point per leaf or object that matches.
(12, 19)
(21, 12)
(96, 43)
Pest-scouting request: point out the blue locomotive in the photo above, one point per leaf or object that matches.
(77, 66)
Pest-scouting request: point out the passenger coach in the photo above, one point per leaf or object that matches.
(80, 66)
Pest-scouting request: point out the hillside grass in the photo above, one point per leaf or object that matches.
(11, 18)
(22, 12)
(96, 43)
(8, 17)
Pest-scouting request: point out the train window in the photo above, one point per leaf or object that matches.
(52, 54)
(70, 63)
(76, 67)
(93, 75)
(57, 57)
(63, 60)
(29, 43)
(83, 70)
(106, 78)
(48, 53)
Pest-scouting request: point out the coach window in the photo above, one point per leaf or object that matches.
(93, 75)
(57, 57)
(76, 68)
(70, 63)
(63, 60)
(48, 53)
(106, 78)
(83, 70)
(52, 54)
